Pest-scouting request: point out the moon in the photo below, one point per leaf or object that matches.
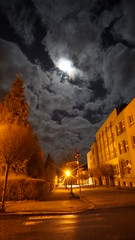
(66, 66)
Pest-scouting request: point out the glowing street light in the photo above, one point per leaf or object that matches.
(68, 173)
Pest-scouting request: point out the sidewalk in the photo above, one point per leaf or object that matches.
(102, 197)
(60, 202)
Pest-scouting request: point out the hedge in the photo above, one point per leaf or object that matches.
(25, 189)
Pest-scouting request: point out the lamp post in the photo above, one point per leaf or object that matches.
(77, 155)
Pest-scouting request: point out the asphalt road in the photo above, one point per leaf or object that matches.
(109, 214)
(107, 224)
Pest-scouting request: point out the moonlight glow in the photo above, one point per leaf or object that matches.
(66, 66)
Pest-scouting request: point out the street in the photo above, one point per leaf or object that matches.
(101, 213)
(108, 224)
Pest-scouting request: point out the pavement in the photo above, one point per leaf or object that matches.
(61, 201)
(111, 197)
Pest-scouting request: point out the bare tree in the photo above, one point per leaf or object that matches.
(108, 171)
(17, 144)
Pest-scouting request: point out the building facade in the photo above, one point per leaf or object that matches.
(125, 142)
(114, 159)
(93, 162)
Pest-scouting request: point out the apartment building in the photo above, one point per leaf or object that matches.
(92, 156)
(125, 143)
(115, 142)
(93, 162)
(107, 153)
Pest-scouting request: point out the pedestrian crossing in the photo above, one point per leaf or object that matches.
(32, 220)
(77, 226)
(64, 219)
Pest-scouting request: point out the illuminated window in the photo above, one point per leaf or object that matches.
(120, 148)
(126, 166)
(129, 166)
(131, 120)
(125, 145)
(122, 126)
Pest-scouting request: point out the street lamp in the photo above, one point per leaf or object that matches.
(68, 174)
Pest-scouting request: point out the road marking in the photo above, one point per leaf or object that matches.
(31, 223)
(33, 220)
(96, 220)
(51, 217)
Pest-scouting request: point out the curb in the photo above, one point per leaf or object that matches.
(93, 206)
(8, 214)
(90, 204)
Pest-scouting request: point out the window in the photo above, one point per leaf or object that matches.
(122, 124)
(133, 141)
(120, 148)
(126, 167)
(125, 145)
(124, 184)
(118, 130)
(131, 120)
(129, 166)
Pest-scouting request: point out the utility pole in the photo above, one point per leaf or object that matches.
(77, 156)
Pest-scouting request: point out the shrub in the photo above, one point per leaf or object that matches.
(25, 189)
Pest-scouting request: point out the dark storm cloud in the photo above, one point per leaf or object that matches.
(11, 58)
(72, 35)
(119, 71)
(78, 43)
(65, 97)
(97, 36)
(21, 17)
(126, 26)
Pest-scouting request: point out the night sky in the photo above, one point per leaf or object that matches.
(95, 39)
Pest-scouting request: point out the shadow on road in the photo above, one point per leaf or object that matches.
(60, 194)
